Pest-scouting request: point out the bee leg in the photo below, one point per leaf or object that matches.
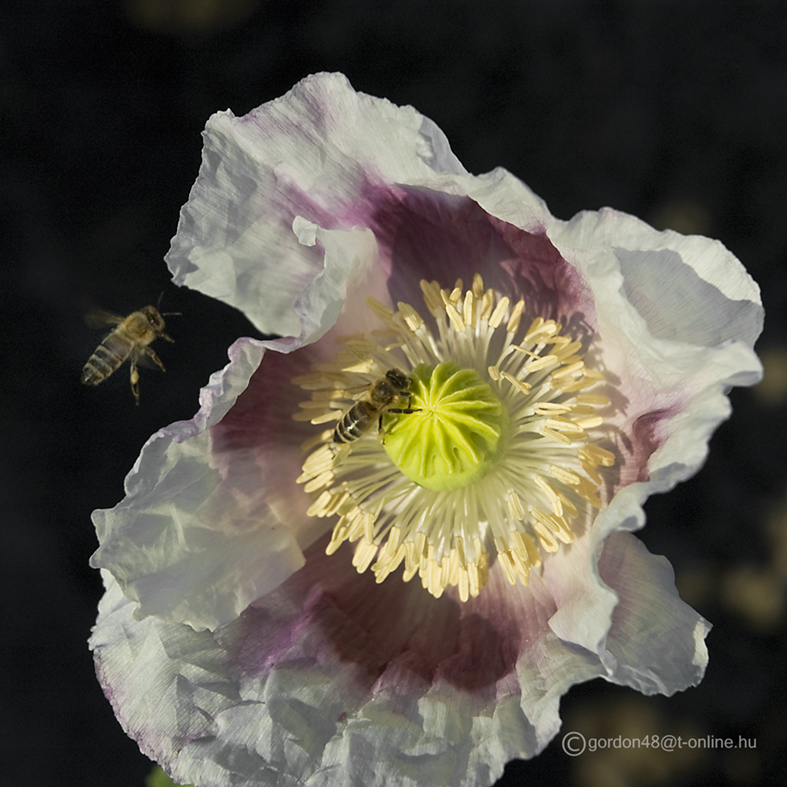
(406, 410)
(168, 338)
(399, 411)
(151, 353)
(135, 380)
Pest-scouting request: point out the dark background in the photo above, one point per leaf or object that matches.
(674, 111)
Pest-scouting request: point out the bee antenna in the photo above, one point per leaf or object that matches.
(165, 314)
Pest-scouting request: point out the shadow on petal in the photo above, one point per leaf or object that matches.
(393, 635)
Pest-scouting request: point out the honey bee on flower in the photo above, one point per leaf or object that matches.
(284, 606)
(381, 395)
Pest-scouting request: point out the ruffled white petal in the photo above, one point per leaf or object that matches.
(350, 258)
(672, 350)
(657, 642)
(670, 384)
(687, 289)
(165, 681)
(318, 152)
(189, 543)
(271, 700)
(251, 708)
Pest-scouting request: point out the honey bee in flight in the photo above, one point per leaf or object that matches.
(130, 340)
(381, 394)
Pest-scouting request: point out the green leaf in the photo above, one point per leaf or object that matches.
(158, 778)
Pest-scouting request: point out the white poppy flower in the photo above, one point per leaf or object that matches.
(469, 394)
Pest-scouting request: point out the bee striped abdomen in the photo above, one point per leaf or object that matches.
(107, 358)
(355, 423)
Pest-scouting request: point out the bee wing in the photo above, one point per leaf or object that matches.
(98, 318)
(332, 394)
(356, 392)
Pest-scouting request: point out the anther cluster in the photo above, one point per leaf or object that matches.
(495, 454)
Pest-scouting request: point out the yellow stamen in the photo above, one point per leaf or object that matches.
(545, 469)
